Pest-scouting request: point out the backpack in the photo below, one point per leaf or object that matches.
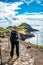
(14, 36)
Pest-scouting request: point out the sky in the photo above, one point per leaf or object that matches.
(15, 12)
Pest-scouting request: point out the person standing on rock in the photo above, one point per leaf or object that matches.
(14, 39)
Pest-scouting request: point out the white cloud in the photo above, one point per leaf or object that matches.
(4, 23)
(30, 1)
(38, 1)
(32, 19)
(8, 13)
(33, 15)
(36, 19)
(36, 13)
(27, 1)
(8, 10)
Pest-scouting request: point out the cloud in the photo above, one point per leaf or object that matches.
(36, 13)
(27, 1)
(36, 19)
(33, 15)
(8, 14)
(4, 24)
(38, 1)
(7, 11)
(30, 1)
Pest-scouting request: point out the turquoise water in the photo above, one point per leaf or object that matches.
(38, 39)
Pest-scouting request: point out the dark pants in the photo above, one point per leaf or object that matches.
(16, 43)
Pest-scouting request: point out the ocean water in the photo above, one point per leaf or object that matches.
(38, 39)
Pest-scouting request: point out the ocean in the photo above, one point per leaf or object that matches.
(38, 39)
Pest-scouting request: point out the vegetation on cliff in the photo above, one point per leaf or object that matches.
(24, 29)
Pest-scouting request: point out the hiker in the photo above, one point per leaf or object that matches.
(14, 39)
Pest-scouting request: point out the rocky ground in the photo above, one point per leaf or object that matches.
(28, 54)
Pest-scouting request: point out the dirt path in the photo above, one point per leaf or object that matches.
(24, 58)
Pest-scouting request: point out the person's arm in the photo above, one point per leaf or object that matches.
(19, 36)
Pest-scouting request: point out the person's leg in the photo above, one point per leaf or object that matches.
(12, 50)
(17, 49)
